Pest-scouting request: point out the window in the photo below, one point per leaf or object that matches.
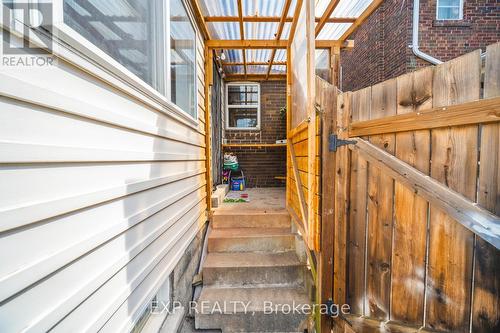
(243, 106)
(323, 69)
(449, 9)
(183, 58)
(134, 33)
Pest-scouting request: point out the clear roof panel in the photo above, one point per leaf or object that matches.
(219, 7)
(349, 8)
(233, 55)
(278, 69)
(258, 55)
(224, 30)
(260, 30)
(280, 55)
(234, 69)
(345, 8)
(333, 31)
(263, 8)
(257, 69)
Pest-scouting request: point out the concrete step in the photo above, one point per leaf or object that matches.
(242, 269)
(251, 240)
(252, 309)
(249, 219)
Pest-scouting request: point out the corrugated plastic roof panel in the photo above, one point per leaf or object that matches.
(278, 69)
(333, 31)
(258, 55)
(268, 30)
(233, 55)
(260, 30)
(219, 7)
(224, 30)
(257, 69)
(345, 8)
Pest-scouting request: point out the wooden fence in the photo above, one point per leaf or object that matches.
(416, 200)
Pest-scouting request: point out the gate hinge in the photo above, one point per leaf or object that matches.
(334, 142)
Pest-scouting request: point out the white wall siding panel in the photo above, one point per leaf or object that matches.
(101, 192)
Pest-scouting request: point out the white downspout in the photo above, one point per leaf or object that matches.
(414, 44)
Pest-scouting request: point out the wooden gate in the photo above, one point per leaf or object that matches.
(416, 201)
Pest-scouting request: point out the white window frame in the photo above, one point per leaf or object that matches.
(461, 12)
(239, 84)
(115, 73)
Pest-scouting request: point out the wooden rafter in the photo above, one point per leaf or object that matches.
(326, 44)
(278, 33)
(201, 19)
(368, 11)
(294, 21)
(328, 12)
(247, 44)
(257, 19)
(242, 35)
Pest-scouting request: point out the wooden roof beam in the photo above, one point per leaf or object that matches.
(247, 44)
(200, 19)
(368, 11)
(295, 20)
(326, 44)
(281, 25)
(328, 12)
(257, 19)
(242, 35)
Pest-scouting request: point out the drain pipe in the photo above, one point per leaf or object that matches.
(414, 46)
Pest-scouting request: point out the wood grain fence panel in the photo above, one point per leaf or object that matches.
(410, 210)
(454, 163)
(380, 209)
(341, 203)
(357, 212)
(486, 302)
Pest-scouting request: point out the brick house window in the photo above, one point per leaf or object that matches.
(450, 9)
(243, 106)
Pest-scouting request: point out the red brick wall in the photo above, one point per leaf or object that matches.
(446, 40)
(382, 44)
(262, 165)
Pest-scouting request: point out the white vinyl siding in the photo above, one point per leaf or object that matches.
(102, 188)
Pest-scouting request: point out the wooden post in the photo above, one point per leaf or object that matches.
(341, 206)
(327, 97)
(208, 129)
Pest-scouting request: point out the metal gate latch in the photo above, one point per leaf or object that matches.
(334, 142)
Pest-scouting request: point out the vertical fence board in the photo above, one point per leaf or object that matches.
(341, 202)
(486, 303)
(380, 209)
(357, 214)
(326, 97)
(454, 162)
(410, 210)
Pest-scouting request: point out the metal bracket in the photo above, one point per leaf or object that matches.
(334, 142)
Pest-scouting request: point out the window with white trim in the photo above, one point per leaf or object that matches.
(449, 9)
(243, 106)
(153, 40)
